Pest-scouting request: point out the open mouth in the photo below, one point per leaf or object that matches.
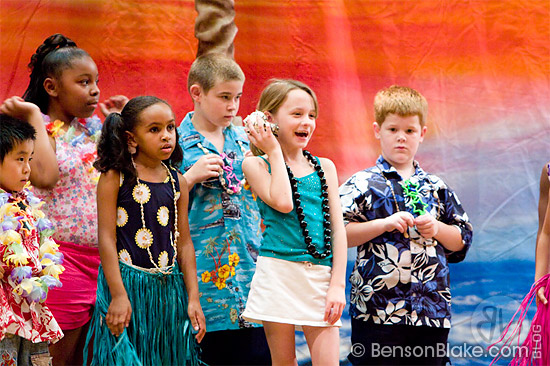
(302, 134)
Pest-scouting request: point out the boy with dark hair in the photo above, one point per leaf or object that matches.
(29, 261)
(407, 226)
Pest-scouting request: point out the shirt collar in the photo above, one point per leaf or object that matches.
(189, 136)
(388, 169)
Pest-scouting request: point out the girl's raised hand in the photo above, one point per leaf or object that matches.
(17, 107)
(119, 314)
(113, 105)
(260, 134)
(194, 310)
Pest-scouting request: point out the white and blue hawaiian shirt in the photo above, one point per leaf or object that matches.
(402, 279)
(225, 229)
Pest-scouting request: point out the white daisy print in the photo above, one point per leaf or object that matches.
(141, 193)
(121, 217)
(177, 196)
(144, 238)
(124, 256)
(163, 259)
(163, 215)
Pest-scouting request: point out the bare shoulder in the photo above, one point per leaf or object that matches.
(109, 177)
(253, 162)
(328, 165)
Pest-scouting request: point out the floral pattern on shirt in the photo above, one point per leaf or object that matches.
(225, 229)
(400, 279)
(71, 204)
(30, 265)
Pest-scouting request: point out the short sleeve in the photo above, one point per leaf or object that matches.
(355, 198)
(454, 214)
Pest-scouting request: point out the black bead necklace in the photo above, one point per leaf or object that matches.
(325, 208)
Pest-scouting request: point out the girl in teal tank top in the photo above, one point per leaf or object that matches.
(300, 275)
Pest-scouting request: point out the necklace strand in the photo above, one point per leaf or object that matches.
(228, 187)
(312, 250)
(175, 236)
(416, 200)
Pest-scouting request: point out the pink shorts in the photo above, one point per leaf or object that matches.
(72, 304)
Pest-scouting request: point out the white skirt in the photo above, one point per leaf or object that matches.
(288, 292)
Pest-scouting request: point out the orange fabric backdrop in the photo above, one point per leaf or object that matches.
(484, 67)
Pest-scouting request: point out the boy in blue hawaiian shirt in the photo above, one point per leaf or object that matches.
(223, 216)
(407, 226)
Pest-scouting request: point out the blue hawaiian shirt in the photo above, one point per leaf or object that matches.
(225, 229)
(402, 279)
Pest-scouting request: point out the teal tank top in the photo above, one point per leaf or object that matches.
(282, 237)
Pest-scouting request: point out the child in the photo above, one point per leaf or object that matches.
(407, 225)
(299, 280)
(224, 218)
(29, 261)
(63, 84)
(143, 229)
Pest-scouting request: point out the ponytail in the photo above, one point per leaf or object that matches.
(51, 57)
(112, 148)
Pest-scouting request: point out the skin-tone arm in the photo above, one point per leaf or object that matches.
(120, 310)
(188, 264)
(541, 257)
(113, 104)
(44, 169)
(336, 297)
(447, 235)
(274, 189)
(359, 233)
(208, 166)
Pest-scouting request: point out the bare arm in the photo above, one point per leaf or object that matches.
(188, 264)
(120, 310)
(544, 187)
(543, 252)
(274, 189)
(44, 169)
(359, 233)
(336, 298)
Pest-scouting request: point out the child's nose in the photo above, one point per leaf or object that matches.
(94, 89)
(26, 168)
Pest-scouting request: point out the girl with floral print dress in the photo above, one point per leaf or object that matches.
(63, 84)
(146, 309)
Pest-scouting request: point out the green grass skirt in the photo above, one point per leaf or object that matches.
(160, 332)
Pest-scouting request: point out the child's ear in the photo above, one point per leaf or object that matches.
(132, 144)
(50, 85)
(196, 92)
(376, 128)
(423, 133)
